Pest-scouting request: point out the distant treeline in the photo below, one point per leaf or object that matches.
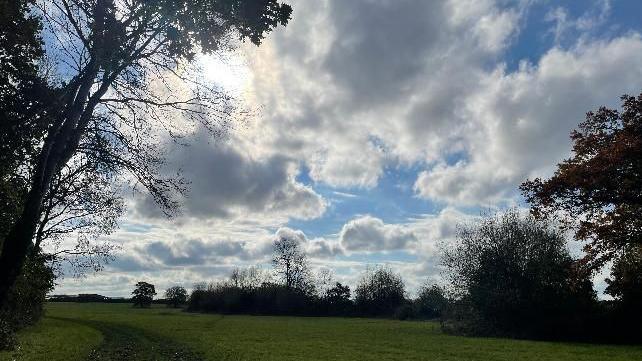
(380, 293)
(85, 298)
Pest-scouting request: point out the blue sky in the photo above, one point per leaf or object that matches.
(380, 126)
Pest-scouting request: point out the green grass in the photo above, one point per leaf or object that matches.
(120, 332)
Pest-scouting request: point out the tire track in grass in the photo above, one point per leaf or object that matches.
(126, 343)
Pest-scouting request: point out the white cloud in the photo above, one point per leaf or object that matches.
(368, 233)
(521, 121)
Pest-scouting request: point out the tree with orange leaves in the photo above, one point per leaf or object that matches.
(597, 192)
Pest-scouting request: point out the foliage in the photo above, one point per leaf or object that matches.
(514, 276)
(124, 77)
(143, 294)
(625, 283)
(598, 191)
(379, 292)
(337, 300)
(431, 301)
(176, 296)
(25, 305)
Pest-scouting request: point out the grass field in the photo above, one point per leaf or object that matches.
(120, 332)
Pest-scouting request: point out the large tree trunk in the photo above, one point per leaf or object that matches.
(60, 145)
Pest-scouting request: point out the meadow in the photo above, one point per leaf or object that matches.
(76, 331)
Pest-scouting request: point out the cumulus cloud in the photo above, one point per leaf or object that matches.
(226, 182)
(368, 233)
(523, 118)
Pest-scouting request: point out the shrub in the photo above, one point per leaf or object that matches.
(430, 302)
(515, 277)
(379, 292)
(25, 304)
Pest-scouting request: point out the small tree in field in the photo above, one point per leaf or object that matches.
(598, 191)
(143, 294)
(176, 296)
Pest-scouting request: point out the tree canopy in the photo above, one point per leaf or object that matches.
(120, 76)
(143, 294)
(598, 191)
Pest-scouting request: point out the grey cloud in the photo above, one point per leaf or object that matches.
(194, 252)
(225, 182)
(381, 46)
(371, 234)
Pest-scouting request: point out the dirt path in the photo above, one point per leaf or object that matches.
(130, 343)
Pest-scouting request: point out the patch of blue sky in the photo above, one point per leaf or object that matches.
(537, 31)
(393, 200)
(136, 227)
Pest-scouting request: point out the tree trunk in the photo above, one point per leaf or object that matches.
(59, 147)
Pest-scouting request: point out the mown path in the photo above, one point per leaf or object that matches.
(125, 343)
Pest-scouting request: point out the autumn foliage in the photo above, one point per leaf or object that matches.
(597, 192)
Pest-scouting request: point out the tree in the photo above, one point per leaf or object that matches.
(176, 296)
(338, 300)
(598, 191)
(625, 282)
(143, 294)
(291, 264)
(22, 92)
(513, 276)
(380, 291)
(431, 301)
(124, 78)
(248, 278)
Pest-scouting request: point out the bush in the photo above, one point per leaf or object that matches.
(431, 302)
(25, 304)
(514, 277)
(379, 292)
(267, 299)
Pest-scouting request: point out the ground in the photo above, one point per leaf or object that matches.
(120, 332)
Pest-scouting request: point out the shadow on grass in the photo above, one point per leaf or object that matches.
(130, 343)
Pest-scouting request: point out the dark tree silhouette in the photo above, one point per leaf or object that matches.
(625, 282)
(143, 294)
(513, 277)
(124, 78)
(291, 264)
(431, 301)
(176, 296)
(380, 291)
(598, 191)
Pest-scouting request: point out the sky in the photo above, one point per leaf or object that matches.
(377, 127)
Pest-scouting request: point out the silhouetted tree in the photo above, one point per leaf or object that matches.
(143, 294)
(625, 282)
(176, 296)
(598, 191)
(125, 66)
(431, 301)
(379, 292)
(248, 278)
(291, 264)
(338, 300)
(513, 276)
